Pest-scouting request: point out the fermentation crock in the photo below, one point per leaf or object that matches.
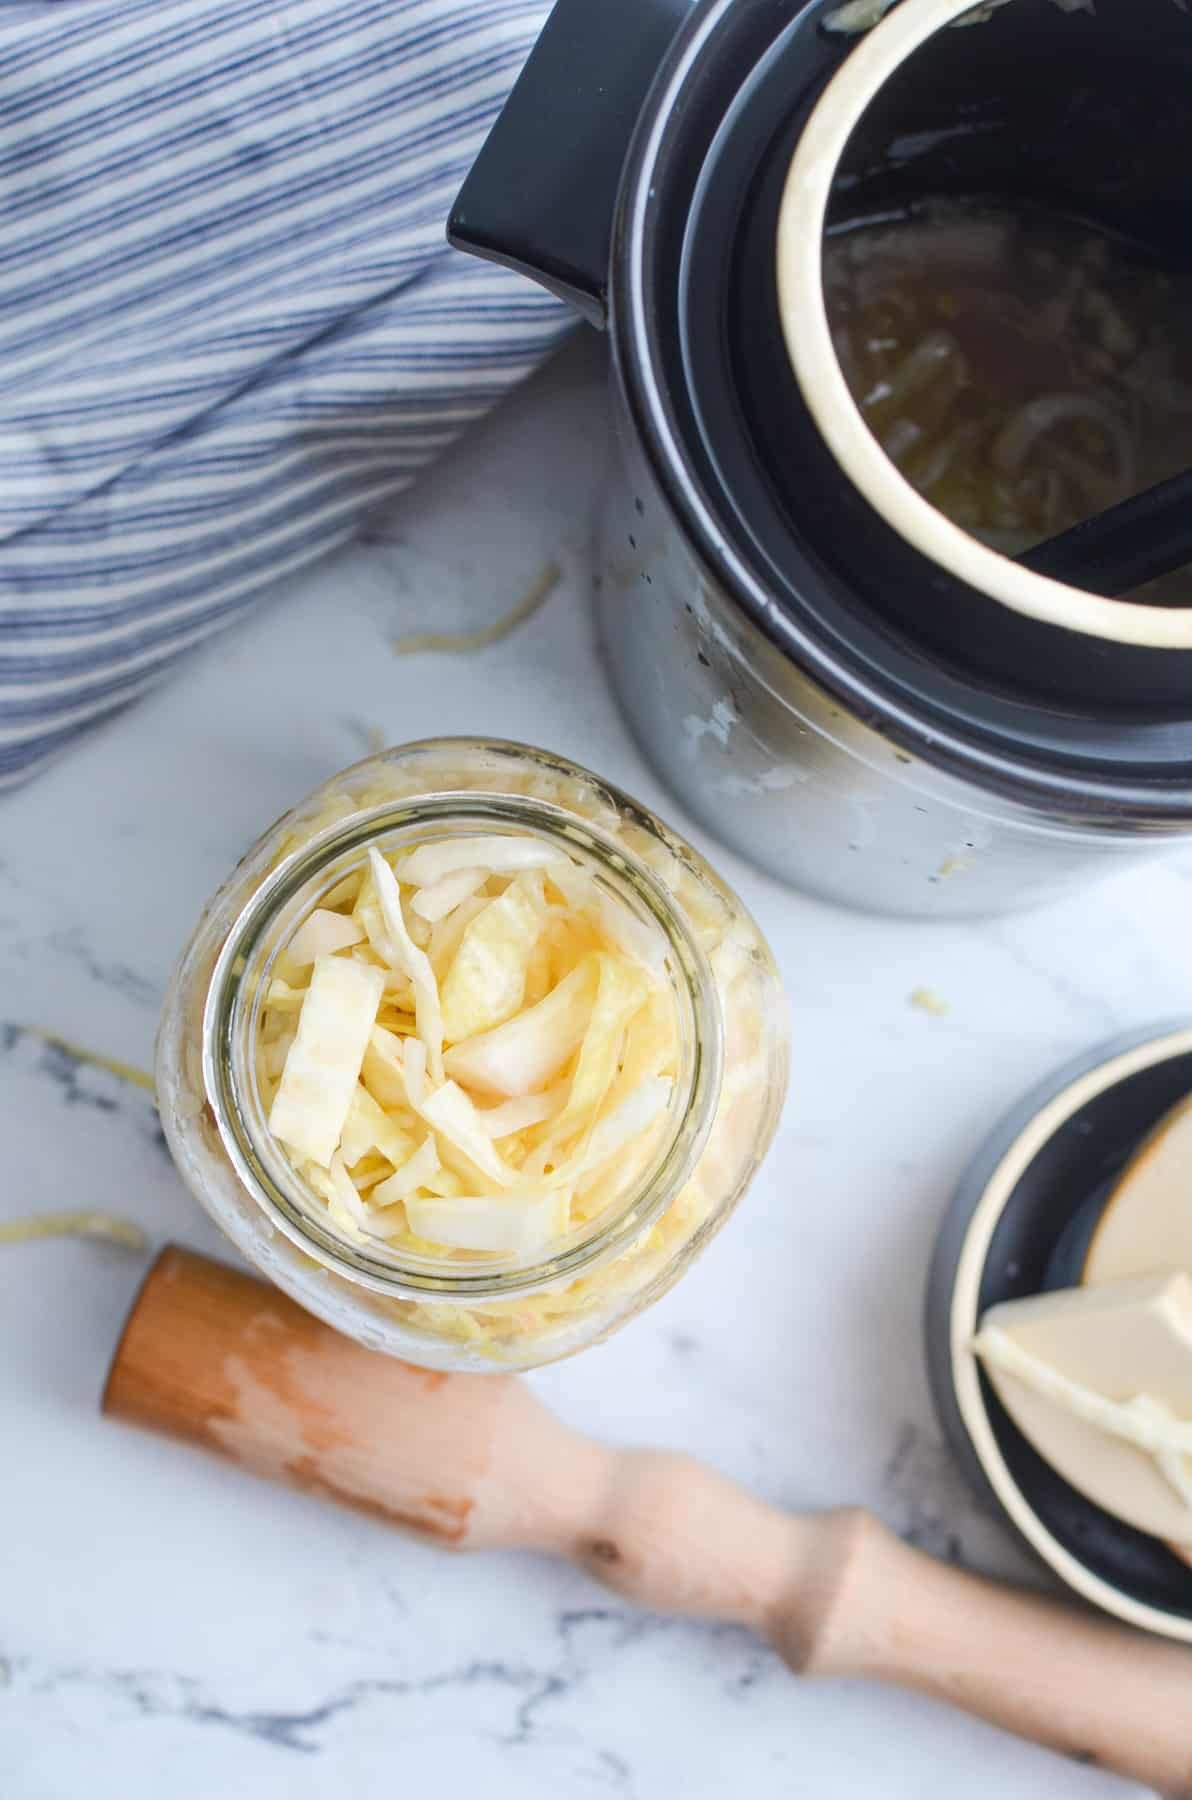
(837, 681)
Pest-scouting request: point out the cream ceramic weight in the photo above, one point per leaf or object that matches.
(1100, 1382)
(1147, 1221)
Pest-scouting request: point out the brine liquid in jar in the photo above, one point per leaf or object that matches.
(1023, 371)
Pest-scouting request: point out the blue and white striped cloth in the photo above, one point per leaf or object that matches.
(229, 322)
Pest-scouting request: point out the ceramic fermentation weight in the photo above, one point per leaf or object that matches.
(837, 681)
(1036, 1185)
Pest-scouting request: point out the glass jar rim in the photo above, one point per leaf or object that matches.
(237, 986)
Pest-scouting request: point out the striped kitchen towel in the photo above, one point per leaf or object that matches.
(229, 322)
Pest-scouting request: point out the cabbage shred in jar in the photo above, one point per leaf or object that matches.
(656, 1198)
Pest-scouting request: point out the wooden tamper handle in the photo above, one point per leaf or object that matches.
(474, 1462)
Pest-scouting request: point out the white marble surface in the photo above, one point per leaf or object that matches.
(168, 1626)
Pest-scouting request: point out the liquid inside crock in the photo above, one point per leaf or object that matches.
(1022, 370)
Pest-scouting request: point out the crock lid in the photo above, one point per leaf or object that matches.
(939, 666)
(1060, 1148)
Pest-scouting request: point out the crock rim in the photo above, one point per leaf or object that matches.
(878, 55)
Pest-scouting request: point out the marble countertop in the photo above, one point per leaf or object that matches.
(168, 1625)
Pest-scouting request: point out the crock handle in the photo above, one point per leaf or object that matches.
(542, 193)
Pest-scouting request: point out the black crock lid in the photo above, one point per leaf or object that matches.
(1078, 1162)
(935, 664)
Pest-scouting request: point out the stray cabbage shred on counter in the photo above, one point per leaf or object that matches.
(468, 1051)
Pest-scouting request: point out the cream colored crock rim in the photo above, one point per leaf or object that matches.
(802, 218)
(966, 1383)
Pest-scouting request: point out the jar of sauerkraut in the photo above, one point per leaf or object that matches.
(471, 1055)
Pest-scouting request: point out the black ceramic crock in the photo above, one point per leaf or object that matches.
(851, 710)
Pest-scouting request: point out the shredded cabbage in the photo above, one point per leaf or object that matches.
(369, 1127)
(620, 990)
(414, 1062)
(383, 1070)
(322, 934)
(495, 855)
(520, 1113)
(486, 983)
(459, 1126)
(538, 1015)
(111, 1065)
(460, 643)
(323, 1065)
(345, 1196)
(523, 1224)
(273, 1055)
(415, 1172)
(328, 1185)
(284, 998)
(856, 16)
(411, 961)
(627, 1121)
(528, 1051)
(447, 933)
(442, 897)
(108, 1226)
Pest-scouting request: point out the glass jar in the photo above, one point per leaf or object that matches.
(497, 1312)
